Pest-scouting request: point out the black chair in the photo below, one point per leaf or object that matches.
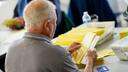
(2, 62)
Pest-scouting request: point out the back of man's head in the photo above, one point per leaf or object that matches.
(37, 11)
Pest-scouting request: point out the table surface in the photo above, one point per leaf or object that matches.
(6, 38)
(111, 62)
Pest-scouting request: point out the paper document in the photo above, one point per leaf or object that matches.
(94, 40)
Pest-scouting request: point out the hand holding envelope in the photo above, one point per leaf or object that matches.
(91, 56)
(74, 47)
(90, 44)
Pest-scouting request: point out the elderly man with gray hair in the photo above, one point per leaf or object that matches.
(35, 52)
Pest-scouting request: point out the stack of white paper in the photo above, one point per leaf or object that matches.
(89, 41)
(120, 48)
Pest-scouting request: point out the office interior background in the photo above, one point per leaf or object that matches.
(117, 6)
(7, 7)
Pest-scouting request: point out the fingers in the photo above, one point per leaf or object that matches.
(75, 43)
(91, 53)
(74, 46)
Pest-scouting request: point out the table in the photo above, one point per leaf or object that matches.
(112, 62)
(7, 36)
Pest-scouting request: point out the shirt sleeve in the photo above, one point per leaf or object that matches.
(69, 65)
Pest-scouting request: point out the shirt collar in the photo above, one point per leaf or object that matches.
(37, 37)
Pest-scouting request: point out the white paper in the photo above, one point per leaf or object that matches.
(92, 45)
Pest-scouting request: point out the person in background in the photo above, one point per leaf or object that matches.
(18, 12)
(99, 7)
(64, 23)
(35, 52)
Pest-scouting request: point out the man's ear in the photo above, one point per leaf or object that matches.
(46, 27)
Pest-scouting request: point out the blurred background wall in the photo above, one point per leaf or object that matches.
(7, 7)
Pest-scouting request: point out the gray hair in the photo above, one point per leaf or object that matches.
(37, 11)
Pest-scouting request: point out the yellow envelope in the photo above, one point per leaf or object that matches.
(77, 35)
(123, 33)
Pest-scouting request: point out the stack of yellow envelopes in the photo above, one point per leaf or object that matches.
(77, 35)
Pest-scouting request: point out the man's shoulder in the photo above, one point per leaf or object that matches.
(39, 46)
(59, 49)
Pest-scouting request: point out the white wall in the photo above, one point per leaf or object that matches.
(64, 5)
(6, 9)
(118, 5)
